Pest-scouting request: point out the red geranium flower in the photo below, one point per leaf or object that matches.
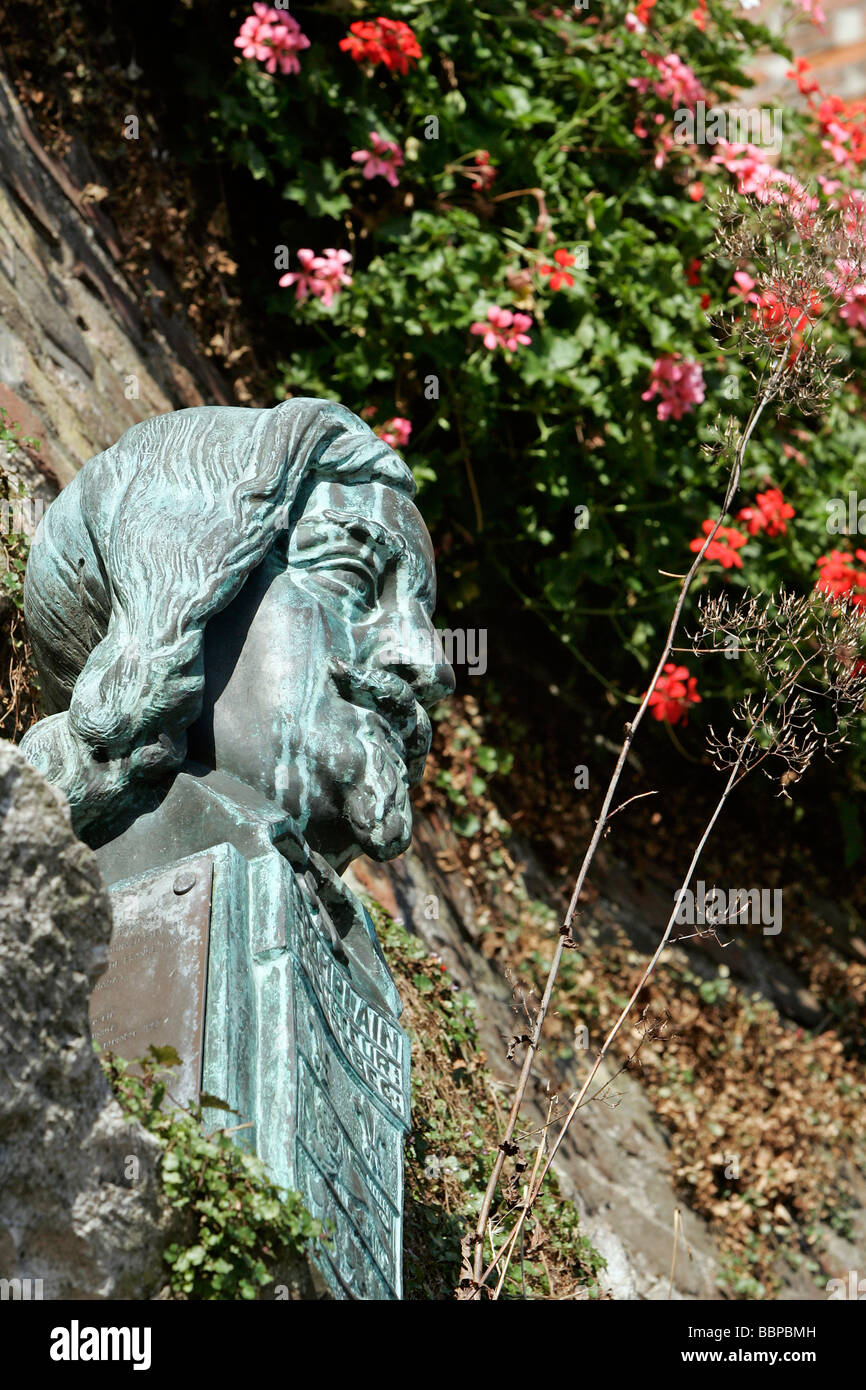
(784, 322)
(387, 41)
(675, 690)
(838, 577)
(806, 85)
(769, 513)
(693, 277)
(486, 174)
(559, 277)
(724, 545)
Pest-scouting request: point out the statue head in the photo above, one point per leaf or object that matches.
(228, 587)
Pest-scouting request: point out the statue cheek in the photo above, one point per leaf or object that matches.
(327, 629)
(341, 751)
(322, 762)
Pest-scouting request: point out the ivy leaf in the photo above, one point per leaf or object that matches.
(209, 1102)
(467, 825)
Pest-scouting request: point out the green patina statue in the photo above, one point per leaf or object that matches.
(216, 605)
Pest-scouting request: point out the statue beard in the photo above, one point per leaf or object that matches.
(376, 805)
(349, 789)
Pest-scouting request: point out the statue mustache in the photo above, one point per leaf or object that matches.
(390, 697)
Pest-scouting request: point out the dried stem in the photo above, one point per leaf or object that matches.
(565, 937)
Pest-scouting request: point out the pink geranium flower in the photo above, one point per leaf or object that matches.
(383, 159)
(678, 384)
(321, 277)
(853, 207)
(395, 432)
(814, 11)
(676, 81)
(846, 286)
(767, 183)
(838, 144)
(504, 329)
(663, 149)
(744, 286)
(272, 37)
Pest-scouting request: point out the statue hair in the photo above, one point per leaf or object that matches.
(147, 543)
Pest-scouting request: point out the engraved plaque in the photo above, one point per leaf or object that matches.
(154, 988)
(353, 1109)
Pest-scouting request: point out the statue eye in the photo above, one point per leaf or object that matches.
(346, 580)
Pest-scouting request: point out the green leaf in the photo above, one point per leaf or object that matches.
(164, 1056)
(209, 1102)
(467, 825)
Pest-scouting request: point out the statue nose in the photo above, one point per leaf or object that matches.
(430, 682)
(417, 658)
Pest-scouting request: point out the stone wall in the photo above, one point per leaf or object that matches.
(80, 358)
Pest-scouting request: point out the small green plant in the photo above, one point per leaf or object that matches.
(465, 780)
(736, 1280)
(18, 685)
(16, 544)
(236, 1223)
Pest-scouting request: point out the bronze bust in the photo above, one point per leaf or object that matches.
(212, 604)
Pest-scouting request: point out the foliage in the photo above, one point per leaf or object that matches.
(515, 441)
(456, 1123)
(466, 781)
(551, 136)
(236, 1223)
